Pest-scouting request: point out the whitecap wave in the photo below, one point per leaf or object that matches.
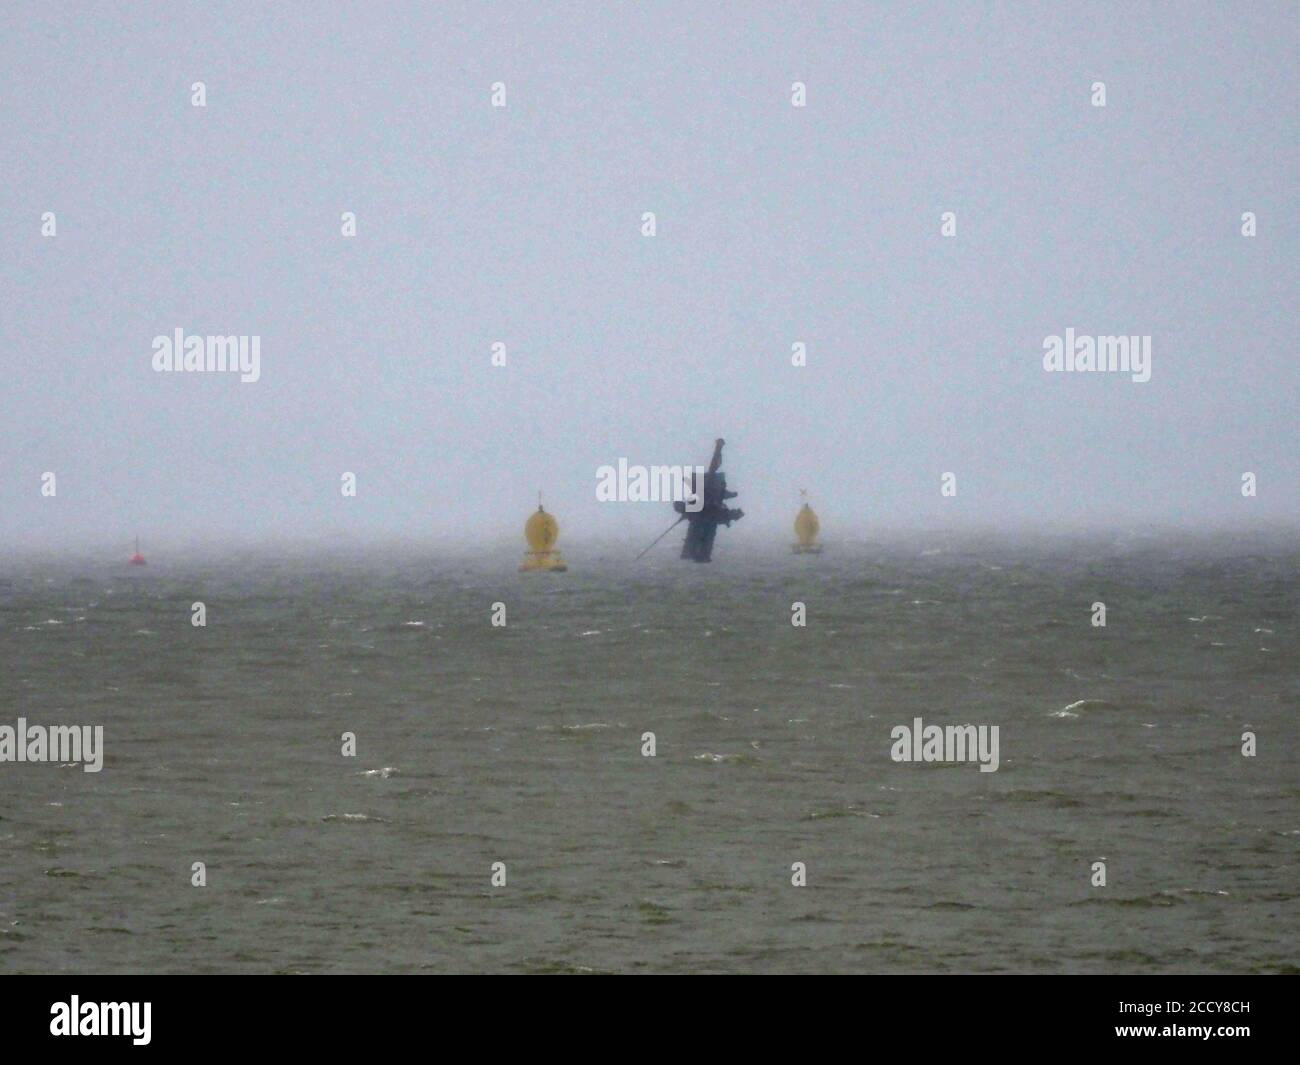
(1068, 711)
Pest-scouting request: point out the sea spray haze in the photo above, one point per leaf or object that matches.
(866, 225)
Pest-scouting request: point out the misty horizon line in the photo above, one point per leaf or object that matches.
(763, 539)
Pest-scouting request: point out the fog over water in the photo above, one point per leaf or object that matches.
(776, 225)
(331, 722)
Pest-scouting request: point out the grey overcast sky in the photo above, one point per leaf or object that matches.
(522, 224)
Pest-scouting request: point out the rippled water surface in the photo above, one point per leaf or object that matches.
(522, 745)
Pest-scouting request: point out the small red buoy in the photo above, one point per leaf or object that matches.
(138, 559)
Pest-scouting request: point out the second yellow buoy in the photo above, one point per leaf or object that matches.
(806, 528)
(541, 531)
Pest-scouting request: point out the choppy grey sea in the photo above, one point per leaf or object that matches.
(522, 744)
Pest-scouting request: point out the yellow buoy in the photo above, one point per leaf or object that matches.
(806, 528)
(541, 531)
